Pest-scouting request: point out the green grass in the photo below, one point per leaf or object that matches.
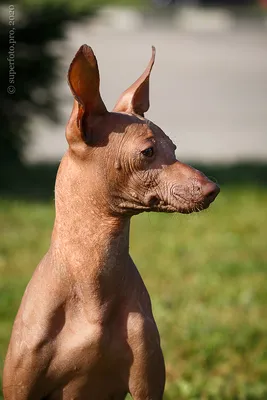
(206, 274)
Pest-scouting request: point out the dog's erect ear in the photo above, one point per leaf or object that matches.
(135, 100)
(83, 78)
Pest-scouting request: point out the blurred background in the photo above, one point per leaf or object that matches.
(206, 273)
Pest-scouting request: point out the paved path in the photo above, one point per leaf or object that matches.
(208, 91)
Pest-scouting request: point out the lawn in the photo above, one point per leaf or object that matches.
(207, 276)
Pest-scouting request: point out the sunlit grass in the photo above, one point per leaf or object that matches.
(206, 274)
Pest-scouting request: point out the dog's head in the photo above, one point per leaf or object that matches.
(130, 157)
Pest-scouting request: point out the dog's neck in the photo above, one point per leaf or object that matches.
(87, 239)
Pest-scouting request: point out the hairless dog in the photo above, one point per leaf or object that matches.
(85, 328)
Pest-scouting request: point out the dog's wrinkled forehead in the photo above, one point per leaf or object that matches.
(129, 124)
(141, 127)
(161, 138)
(138, 131)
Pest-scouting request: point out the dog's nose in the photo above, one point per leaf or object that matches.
(210, 191)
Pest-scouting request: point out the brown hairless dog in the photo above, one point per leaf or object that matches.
(85, 328)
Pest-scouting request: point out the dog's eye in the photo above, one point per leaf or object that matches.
(148, 152)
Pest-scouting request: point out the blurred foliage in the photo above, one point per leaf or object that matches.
(206, 274)
(37, 23)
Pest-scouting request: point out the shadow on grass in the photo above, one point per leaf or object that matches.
(36, 182)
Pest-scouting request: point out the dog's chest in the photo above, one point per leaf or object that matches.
(86, 345)
(85, 348)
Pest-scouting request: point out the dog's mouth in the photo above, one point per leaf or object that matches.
(183, 207)
(178, 203)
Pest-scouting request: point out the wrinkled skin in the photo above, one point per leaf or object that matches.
(160, 182)
(85, 328)
(132, 182)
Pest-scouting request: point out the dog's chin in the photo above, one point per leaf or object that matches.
(194, 209)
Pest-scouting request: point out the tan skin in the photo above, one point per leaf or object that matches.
(85, 328)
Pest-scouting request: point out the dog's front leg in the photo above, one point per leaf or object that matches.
(23, 375)
(147, 373)
(147, 378)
